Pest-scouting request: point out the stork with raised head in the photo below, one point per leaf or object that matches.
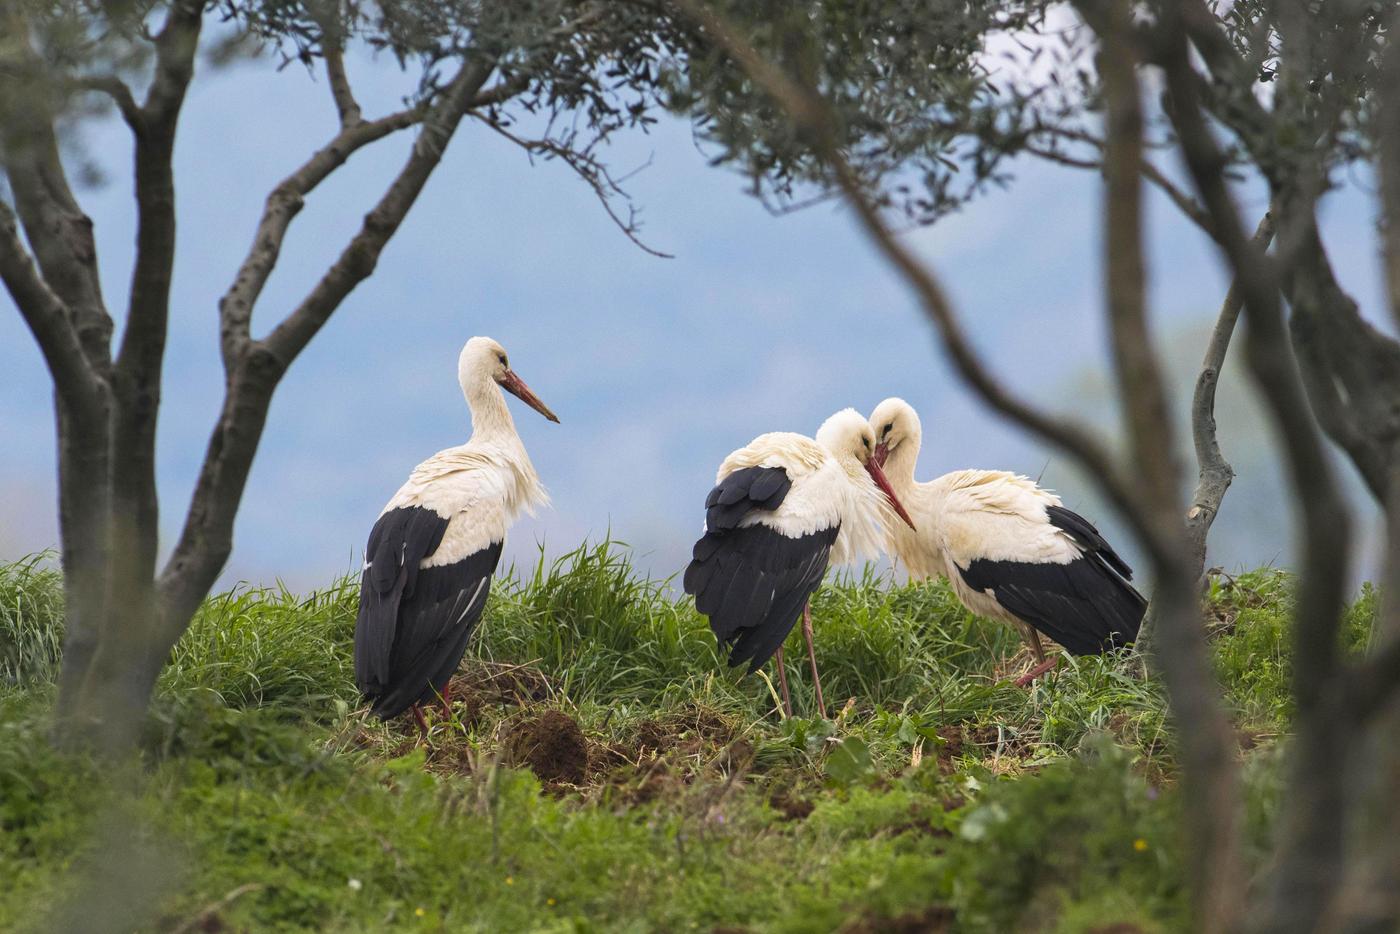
(1010, 549)
(432, 552)
(782, 508)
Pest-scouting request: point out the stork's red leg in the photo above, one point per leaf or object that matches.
(418, 715)
(812, 656)
(447, 701)
(1037, 671)
(782, 681)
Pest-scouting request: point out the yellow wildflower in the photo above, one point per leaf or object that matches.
(1140, 845)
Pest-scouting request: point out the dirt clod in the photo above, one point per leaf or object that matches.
(552, 745)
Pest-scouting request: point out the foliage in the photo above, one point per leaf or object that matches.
(31, 621)
(941, 795)
(922, 116)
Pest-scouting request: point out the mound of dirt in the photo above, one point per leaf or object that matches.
(479, 685)
(932, 919)
(552, 745)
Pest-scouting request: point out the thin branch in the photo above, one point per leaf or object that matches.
(1188, 205)
(809, 114)
(46, 316)
(1215, 471)
(207, 536)
(283, 204)
(345, 104)
(501, 92)
(588, 168)
(117, 90)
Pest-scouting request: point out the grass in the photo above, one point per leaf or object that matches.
(603, 770)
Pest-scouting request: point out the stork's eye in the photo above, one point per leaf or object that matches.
(501, 357)
(887, 429)
(866, 443)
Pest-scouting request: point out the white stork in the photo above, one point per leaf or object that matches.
(432, 552)
(1011, 550)
(783, 506)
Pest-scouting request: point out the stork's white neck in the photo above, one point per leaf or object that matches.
(491, 420)
(899, 466)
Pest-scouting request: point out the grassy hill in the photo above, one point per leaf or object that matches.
(603, 771)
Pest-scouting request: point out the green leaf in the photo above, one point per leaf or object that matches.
(849, 761)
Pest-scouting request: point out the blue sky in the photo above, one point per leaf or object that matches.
(657, 368)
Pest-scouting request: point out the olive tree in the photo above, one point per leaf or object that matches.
(583, 70)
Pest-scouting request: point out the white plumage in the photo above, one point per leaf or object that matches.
(783, 507)
(435, 545)
(1010, 550)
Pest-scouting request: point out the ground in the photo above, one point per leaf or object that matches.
(602, 770)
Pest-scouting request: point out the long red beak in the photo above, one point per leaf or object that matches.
(516, 387)
(883, 483)
(882, 453)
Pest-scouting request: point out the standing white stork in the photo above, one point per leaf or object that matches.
(783, 506)
(432, 552)
(1011, 550)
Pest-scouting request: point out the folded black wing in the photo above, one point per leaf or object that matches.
(1086, 605)
(752, 582)
(414, 623)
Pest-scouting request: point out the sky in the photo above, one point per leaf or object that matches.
(657, 368)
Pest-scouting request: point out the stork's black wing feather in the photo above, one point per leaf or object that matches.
(414, 623)
(1086, 605)
(752, 582)
(1087, 537)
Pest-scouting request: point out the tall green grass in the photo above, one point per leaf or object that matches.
(31, 621)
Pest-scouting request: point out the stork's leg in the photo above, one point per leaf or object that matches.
(812, 656)
(1033, 638)
(447, 701)
(1037, 671)
(418, 715)
(782, 681)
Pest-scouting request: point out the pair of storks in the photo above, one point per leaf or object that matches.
(783, 507)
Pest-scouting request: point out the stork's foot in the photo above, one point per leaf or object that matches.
(446, 699)
(422, 721)
(1037, 671)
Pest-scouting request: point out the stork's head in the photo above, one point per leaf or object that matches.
(898, 433)
(850, 438)
(484, 361)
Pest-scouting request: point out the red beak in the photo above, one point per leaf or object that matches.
(882, 453)
(883, 483)
(516, 387)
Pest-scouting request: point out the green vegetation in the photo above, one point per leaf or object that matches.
(602, 771)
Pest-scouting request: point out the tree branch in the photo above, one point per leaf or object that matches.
(588, 168)
(1304, 882)
(283, 204)
(1388, 136)
(54, 224)
(207, 537)
(501, 92)
(345, 104)
(47, 318)
(117, 90)
(136, 378)
(1188, 205)
(1210, 779)
(1215, 472)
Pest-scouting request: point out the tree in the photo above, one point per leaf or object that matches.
(575, 70)
(583, 70)
(1332, 103)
